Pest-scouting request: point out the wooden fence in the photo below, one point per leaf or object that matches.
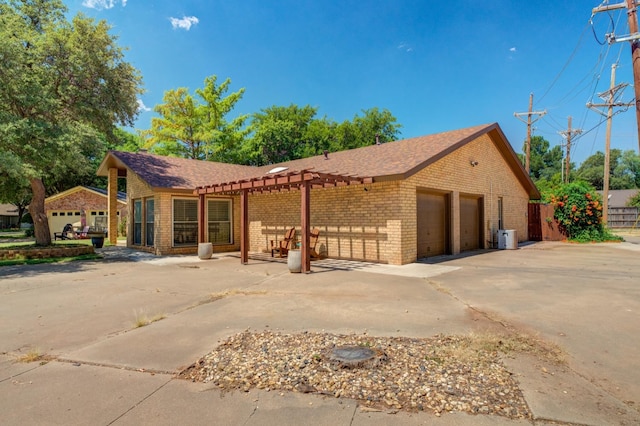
(623, 217)
(542, 225)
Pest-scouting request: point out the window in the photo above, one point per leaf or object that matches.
(149, 215)
(137, 222)
(185, 222)
(500, 217)
(219, 221)
(55, 214)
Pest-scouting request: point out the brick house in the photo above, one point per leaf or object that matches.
(83, 206)
(8, 216)
(391, 203)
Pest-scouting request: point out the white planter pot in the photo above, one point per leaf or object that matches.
(205, 250)
(294, 261)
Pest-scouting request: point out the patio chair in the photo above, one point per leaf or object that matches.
(313, 242)
(283, 246)
(66, 234)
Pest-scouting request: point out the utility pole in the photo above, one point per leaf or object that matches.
(634, 38)
(609, 97)
(529, 122)
(632, 18)
(568, 134)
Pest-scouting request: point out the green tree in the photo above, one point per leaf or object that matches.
(365, 130)
(196, 126)
(544, 163)
(624, 170)
(14, 185)
(62, 84)
(278, 134)
(286, 133)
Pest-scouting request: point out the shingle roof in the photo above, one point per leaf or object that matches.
(620, 197)
(391, 160)
(399, 158)
(122, 196)
(172, 172)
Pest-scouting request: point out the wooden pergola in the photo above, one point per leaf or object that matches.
(303, 180)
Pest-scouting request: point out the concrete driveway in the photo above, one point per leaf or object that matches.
(106, 371)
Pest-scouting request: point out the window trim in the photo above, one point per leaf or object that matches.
(133, 222)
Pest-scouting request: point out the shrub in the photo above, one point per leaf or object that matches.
(578, 209)
(634, 201)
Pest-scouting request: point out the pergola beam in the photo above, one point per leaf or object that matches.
(303, 180)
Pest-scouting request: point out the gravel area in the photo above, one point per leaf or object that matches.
(439, 374)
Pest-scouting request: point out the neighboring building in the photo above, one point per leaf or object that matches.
(424, 196)
(8, 216)
(82, 206)
(620, 215)
(620, 197)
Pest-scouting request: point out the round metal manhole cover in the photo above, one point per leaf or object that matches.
(356, 356)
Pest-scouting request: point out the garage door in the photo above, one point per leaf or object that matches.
(58, 219)
(470, 220)
(432, 224)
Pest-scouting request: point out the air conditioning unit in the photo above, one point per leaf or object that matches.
(507, 239)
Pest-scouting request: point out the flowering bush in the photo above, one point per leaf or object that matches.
(578, 209)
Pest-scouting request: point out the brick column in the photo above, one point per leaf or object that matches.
(112, 205)
(455, 222)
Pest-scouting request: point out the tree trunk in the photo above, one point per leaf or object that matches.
(38, 214)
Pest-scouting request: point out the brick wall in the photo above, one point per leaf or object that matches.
(163, 219)
(374, 222)
(353, 223)
(491, 179)
(379, 224)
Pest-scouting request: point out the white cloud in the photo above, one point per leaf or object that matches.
(185, 23)
(102, 4)
(142, 107)
(513, 49)
(406, 47)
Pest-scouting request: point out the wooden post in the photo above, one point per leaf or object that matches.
(305, 219)
(607, 148)
(632, 19)
(112, 205)
(202, 225)
(244, 227)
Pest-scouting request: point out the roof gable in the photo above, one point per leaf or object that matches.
(122, 196)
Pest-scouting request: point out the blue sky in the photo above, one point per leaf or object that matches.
(436, 66)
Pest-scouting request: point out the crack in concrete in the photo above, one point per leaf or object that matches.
(510, 327)
(79, 363)
(139, 402)
(255, 409)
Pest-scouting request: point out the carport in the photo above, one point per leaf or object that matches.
(278, 181)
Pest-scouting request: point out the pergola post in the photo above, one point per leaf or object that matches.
(305, 219)
(244, 227)
(202, 225)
